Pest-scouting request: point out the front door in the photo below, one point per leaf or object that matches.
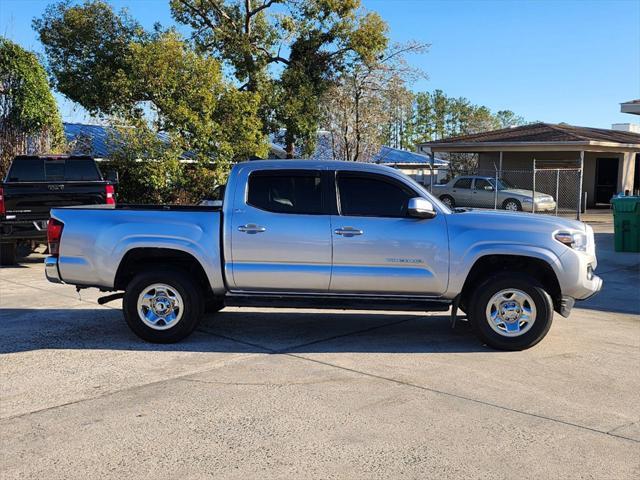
(483, 194)
(377, 248)
(280, 234)
(606, 179)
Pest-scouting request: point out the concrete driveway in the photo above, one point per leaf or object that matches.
(314, 394)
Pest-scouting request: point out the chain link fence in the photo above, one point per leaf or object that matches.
(557, 190)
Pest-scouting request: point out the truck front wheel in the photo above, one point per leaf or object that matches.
(163, 306)
(511, 311)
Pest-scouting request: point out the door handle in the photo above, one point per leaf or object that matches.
(251, 228)
(348, 231)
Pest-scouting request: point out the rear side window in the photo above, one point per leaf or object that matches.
(463, 183)
(286, 192)
(53, 170)
(372, 196)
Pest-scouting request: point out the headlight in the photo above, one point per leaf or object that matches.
(575, 240)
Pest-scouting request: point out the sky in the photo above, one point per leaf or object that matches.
(548, 60)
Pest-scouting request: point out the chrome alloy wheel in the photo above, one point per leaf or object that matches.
(160, 306)
(511, 206)
(511, 312)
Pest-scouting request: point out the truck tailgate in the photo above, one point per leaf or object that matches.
(34, 200)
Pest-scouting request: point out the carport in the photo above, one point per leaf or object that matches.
(608, 160)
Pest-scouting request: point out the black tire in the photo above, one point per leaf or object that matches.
(529, 285)
(448, 200)
(8, 253)
(192, 299)
(517, 204)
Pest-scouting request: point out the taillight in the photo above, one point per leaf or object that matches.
(2, 210)
(110, 194)
(54, 232)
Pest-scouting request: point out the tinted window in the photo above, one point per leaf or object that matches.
(369, 196)
(26, 170)
(463, 183)
(80, 169)
(286, 192)
(482, 183)
(53, 170)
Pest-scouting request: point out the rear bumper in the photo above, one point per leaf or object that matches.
(51, 270)
(23, 230)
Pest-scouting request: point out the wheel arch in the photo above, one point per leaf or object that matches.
(491, 264)
(139, 259)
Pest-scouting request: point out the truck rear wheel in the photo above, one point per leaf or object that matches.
(511, 311)
(8, 253)
(163, 306)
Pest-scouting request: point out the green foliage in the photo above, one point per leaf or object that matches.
(193, 101)
(159, 83)
(27, 106)
(321, 36)
(151, 170)
(89, 53)
(437, 116)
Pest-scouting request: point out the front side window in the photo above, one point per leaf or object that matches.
(463, 183)
(372, 196)
(483, 184)
(286, 192)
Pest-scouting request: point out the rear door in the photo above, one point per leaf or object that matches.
(280, 232)
(461, 192)
(377, 248)
(35, 185)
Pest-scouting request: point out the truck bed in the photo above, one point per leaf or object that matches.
(96, 238)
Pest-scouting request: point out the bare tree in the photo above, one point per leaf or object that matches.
(368, 101)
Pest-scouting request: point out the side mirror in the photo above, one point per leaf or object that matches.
(420, 208)
(112, 176)
(488, 188)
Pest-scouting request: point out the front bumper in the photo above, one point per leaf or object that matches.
(540, 207)
(51, 270)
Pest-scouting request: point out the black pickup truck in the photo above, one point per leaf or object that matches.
(36, 184)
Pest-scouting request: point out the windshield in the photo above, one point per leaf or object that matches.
(502, 183)
(424, 191)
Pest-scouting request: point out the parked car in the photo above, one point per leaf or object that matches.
(35, 184)
(478, 191)
(326, 235)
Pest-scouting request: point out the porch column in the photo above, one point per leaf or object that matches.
(580, 185)
(625, 179)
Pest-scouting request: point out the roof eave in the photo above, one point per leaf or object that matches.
(633, 108)
(477, 147)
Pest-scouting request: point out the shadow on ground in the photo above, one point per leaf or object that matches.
(620, 272)
(241, 331)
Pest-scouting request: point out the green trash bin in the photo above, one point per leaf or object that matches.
(626, 223)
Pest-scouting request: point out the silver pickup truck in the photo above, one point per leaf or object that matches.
(326, 235)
